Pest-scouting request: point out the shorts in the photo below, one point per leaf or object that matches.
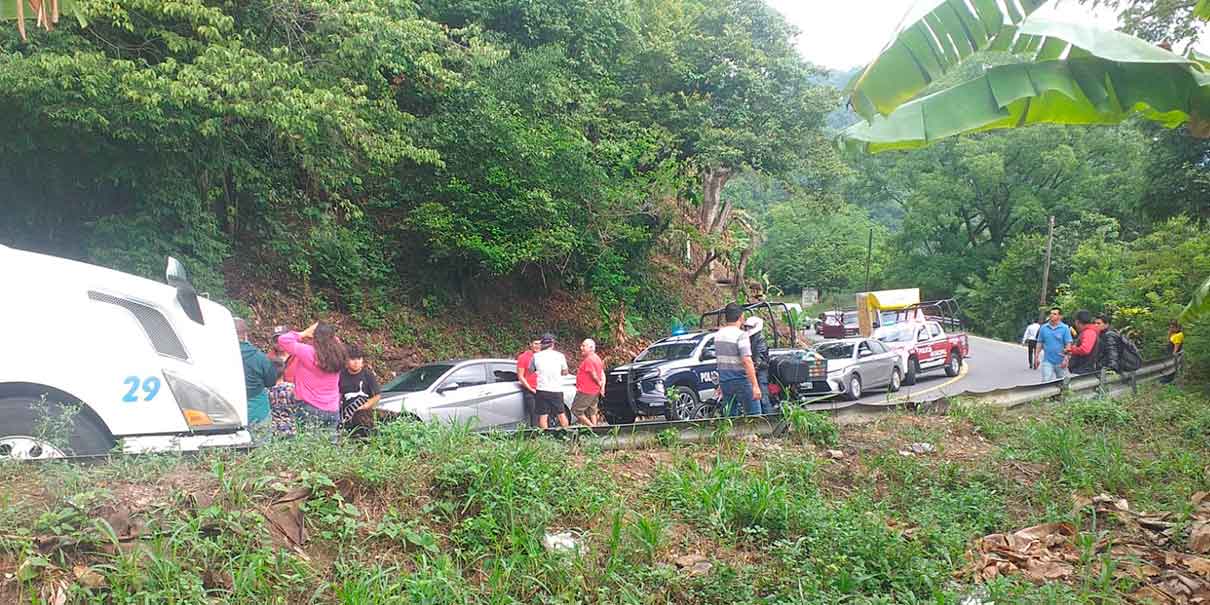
(585, 404)
(548, 403)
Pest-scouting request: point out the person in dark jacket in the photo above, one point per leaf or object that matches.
(259, 375)
(1109, 343)
(754, 326)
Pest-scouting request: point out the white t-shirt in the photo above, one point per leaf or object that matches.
(549, 365)
(1031, 332)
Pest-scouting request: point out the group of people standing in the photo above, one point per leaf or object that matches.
(540, 371)
(1059, 350)
(309, 377)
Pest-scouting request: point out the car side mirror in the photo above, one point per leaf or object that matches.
(708, 355)
(176, 276)
(864, 353)
(449, 387)
(922, 338)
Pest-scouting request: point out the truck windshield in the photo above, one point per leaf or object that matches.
(680, 350)
(417, 380)
(898, 333)
(836, 350)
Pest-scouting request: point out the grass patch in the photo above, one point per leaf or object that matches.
(431, 514)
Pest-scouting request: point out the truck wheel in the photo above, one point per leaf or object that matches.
(853, 390)
(683, 404)
(955, 364)
(896, 380)
(34, 429)
(913, 371)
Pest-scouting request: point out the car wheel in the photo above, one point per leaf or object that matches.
(33, 429)
(896, 380)
(913, 371)
(955, 364)
(683, 404)
(853, 391)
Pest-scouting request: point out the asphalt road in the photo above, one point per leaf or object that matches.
(992, 365)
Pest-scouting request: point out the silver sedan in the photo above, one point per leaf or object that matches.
(858, 364)
(482, 392)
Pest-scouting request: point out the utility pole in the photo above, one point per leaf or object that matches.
(1050, 240)
(869, 257)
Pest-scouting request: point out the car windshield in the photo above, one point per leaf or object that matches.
(836, 350)
(417, 380)
(665, 352)
(898, 333)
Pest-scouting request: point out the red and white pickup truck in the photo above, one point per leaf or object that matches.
(925, 346)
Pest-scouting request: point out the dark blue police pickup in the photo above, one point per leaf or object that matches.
(681, 366)
(676, 377)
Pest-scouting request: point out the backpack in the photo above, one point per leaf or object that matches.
(1129, 359)
(1119, 354)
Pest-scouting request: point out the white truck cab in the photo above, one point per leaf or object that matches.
(93, 358)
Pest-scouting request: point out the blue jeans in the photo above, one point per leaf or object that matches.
(737, 398)
(766, 404)
(1053, 371)
(307, 415)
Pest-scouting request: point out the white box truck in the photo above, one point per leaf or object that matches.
(93, 358)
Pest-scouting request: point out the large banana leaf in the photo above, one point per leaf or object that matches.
(1202, 10)
(924, 50)
(1200, 305)
(1106, 77)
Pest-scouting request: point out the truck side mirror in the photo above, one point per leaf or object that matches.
(176, 276)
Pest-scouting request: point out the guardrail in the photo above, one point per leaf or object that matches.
(650, 434)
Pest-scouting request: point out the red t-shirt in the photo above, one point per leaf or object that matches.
(590, 367)
(523, 366)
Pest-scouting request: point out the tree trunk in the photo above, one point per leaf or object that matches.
(754, 242)
(710, 258)
(714, 213)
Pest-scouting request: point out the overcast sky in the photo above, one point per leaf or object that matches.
(846, 33)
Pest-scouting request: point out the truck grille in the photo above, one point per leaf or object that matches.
(163, 338)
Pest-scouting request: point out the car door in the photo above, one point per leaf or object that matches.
(503, 407)
(707, 371)
(869, 365)
(887, 358)
(940, 347)
(924, 348)
(457, 397)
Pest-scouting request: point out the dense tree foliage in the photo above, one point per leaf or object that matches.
(365, 149)
(814, 245)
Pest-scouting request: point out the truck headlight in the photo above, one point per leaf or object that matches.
(202, 408)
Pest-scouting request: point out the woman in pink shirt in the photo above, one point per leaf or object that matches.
(317, 372)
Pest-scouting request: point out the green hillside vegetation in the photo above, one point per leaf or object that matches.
(396, 158)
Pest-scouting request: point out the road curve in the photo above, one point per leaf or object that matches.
(992, 365)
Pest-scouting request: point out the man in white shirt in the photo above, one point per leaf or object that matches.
(1030, 340)
(550, 367)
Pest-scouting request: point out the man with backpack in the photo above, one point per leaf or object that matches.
(1117, 352)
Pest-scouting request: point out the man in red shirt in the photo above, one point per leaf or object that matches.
(528, 380)
(1084, 354)
(590, 385)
